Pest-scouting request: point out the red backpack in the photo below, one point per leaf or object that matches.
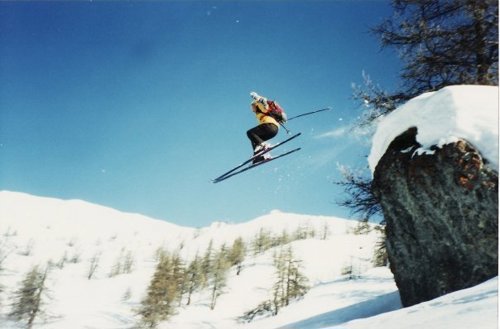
(276, 111)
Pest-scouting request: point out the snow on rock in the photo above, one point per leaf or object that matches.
(441, 117)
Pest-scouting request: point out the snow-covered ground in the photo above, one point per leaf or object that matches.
(34, 230)
(475, 307)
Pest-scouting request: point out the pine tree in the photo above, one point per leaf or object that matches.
(123, 264)
(284, 238)
(219, 275)
(236, 254)
(178, 278)
(153, 308)
(279, 291)
(194, 277)
(206, 265)
(262, 241)
(296, 282)
(290, 282)
(304, 232)
(163, 291)
(28, 299)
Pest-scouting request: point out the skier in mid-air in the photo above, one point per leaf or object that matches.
(267, 128)
(270, 117)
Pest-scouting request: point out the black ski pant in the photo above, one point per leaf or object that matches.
(262, 133)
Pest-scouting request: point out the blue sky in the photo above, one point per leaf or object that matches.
(138, 105)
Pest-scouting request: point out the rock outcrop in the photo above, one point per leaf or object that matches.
(441, 212)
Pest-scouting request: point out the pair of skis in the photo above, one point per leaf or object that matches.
(239, 168)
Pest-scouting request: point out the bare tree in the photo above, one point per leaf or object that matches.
(441, 43)
(360, 198)
(444, 42)
(93, 265)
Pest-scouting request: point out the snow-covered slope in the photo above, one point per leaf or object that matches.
(72, 233)
(475, 307)
(51, 225)
(469, 112)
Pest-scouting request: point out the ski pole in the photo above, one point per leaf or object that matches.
(309, 113)
(286, 129)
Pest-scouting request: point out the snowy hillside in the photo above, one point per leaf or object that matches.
(76, 236)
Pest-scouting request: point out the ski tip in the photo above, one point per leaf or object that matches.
(218, 179)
